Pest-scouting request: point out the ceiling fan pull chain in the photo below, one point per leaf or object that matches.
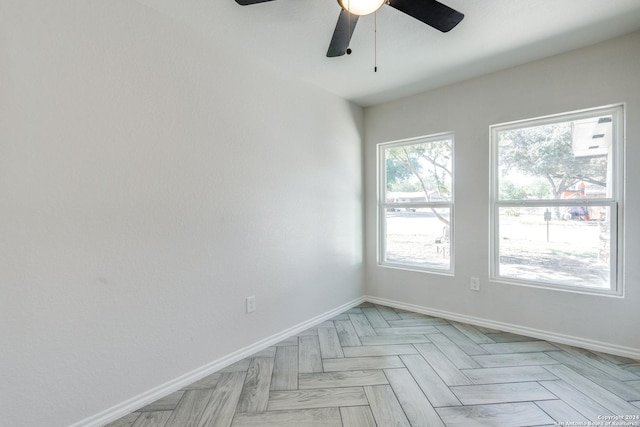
(375, 42)
(349, 26)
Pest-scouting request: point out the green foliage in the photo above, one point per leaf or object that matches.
(538, 189)
(546, 152)
(423, 167)
(535, 189)
(511, 191)
(420, 167)
(397, 172)
(404, 187)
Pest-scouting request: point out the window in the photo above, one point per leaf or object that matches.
(416, 203)
(557, 201)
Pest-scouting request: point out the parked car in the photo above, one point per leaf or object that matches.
(579, 213)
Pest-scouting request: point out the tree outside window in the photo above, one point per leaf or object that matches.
(556, 194)
(416, 203)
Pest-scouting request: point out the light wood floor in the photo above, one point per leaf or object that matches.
(378, 366)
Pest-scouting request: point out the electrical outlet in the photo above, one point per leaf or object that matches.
(475, 284)
(251, 304)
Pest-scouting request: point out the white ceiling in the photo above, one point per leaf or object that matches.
(292, 36)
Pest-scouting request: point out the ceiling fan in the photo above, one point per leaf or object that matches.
(431, 12)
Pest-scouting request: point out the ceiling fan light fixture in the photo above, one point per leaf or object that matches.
(361, 7)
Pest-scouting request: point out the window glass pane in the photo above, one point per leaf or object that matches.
(418, 237)
(564, 160)
(418, 172)
(560, 245)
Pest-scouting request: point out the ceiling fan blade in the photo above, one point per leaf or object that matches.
(342, 34)
(248, 2)
(431, 12)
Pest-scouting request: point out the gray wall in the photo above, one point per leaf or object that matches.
(149, 183)
(603, 74)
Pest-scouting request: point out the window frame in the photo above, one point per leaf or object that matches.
(615, 203)
(383, 205)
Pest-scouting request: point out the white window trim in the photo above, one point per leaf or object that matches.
(615, 202)
(382, 205)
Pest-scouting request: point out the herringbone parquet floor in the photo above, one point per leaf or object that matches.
(378, 366)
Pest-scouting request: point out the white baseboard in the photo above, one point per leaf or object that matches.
(176, 384)
(588, 344)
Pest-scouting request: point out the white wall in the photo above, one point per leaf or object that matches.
(149, 182)
(599, 75)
